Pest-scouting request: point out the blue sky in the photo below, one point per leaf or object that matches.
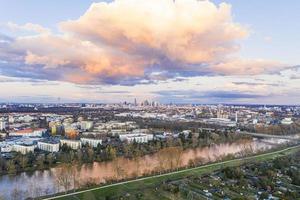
(273, 34)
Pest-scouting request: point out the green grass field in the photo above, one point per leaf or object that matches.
(148, 186)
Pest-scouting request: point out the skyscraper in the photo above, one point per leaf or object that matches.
(135, 102)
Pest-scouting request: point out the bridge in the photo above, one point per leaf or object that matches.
(263, 135)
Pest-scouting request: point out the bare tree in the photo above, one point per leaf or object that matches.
(177, 156)
(65, 177)
(136, 157)
(120, 172)
(161, 160)
(169, 158)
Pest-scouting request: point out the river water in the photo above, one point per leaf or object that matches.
(55, 180)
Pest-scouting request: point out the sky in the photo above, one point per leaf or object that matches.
(182, 51)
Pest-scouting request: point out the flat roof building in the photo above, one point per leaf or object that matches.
(50, 146)
(23, 149)
(29, 132)
(137, 137)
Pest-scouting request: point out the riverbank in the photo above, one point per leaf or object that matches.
(43, 161)
(138, 184)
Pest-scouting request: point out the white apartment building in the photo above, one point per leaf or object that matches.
(3, 135)
(6, 148)
(287, 121)
(137, 137)
(86, 125)
(74, 144)
(140, 131)
(3, 125)
(91, 141)
(48, 146)
(23, 149)
(115, 132)
(221, 122)
(29, 132)
(96, 133)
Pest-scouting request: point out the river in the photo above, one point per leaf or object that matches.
(45, 182)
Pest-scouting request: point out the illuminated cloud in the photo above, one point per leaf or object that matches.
(189, 31)
(135, 41)
(247, 67)
(28, 27)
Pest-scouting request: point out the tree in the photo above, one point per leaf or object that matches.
(31, 158)
(23, 162)
(233, 173)
(119, 171)
(79, 156)
(65, 148)
(127, 148)
(11, 167)
(40, 161)
(111, 153)
(194, 141)
(98, 148)
(177, 155)
(72, 134)
(64, 177)
(2, 164)
(136, 158)
(264, 195)
(50, 159)
(90, 153)
(170, 158)
(161, 161)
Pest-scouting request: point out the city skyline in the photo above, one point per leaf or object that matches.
(167, 51)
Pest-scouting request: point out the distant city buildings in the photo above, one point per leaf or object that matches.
(113, 124)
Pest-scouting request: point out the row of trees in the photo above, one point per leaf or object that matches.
(87, 154)
(279, 129)
(41, 160)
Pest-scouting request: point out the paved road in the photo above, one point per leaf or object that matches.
(176, 172)
(287, 137)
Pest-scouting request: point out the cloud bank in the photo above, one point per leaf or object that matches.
(212, 96)
(132, 41)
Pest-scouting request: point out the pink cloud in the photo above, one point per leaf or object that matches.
(188, 31)
(126, 39)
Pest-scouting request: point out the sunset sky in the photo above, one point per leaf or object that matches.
(180, 51)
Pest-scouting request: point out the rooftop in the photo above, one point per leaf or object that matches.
(28, 130)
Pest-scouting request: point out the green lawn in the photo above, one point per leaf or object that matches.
(147, 186)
